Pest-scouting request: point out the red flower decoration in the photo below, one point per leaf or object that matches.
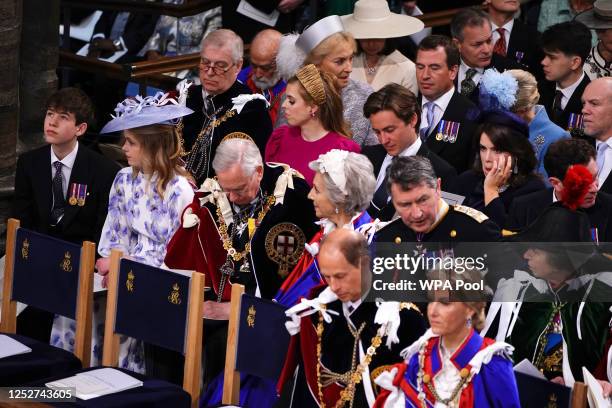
(576, 185)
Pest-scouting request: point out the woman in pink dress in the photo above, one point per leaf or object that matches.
(316, 125)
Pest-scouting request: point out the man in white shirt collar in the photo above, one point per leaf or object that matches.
(597, 111)
(566, 47)
(341, 257)
(501, 15)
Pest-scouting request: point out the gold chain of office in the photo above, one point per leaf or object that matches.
(227, 240)
(213, 124)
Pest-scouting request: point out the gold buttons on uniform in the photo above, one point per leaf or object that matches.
(464, 372)
(453, 233)
(398, 240)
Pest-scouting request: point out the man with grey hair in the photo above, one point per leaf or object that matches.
(221, 104)
(248, 226)
(262, 75)
(423, 215)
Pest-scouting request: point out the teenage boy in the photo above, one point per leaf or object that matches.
(61, 189)
(566, 47)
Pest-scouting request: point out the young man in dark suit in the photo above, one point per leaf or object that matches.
(513, 38)
(566, 47)
(445, 126)
(472, 33)
(393, 113)
(559, 157)
(61, 189)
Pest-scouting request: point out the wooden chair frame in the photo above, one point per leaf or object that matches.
(195, 323)
(231, 376)
(83, 314)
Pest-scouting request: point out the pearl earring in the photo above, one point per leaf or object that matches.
(337, 211)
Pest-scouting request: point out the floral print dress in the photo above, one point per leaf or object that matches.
(140, 223)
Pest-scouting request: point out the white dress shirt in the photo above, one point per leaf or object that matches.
(440, 106)
(569, 91)
(508, 29)
(68, 164)
(607, 167)
(461, 76)
(407, 152)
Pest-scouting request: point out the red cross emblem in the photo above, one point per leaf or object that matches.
(285, 244)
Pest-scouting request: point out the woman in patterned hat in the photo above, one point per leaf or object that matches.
(313, 109)
(451, 365)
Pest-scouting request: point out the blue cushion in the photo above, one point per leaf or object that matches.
(44, 361)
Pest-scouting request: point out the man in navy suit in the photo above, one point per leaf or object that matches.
(61, 189)
(566, 47)
(393, 112)
(445, 125)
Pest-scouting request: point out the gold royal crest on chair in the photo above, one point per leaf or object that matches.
(251, 316)
(25, 249)
(174, 296)
(66, 263)
(129, 283)
(285, 245)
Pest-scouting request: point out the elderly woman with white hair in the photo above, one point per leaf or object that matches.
(330, 48)
(342, 188)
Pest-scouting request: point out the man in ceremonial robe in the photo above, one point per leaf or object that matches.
(221, 105)
(343, 348)
(247, 226)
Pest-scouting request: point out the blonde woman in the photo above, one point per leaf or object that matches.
(313, 110)
(326, 45)
(542, 131)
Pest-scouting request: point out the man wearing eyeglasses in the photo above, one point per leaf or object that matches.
(221, 105)
(262, 75)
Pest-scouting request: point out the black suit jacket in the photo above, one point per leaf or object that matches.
(458, 154)
(526, 209)
(524, 48)
(137, 32)
(606, 187)
(33, 194)
(574, 105)
(377, 153)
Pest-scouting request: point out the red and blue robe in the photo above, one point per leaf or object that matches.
(273, 95)
(493, 386)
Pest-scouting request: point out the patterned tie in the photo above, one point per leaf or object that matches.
(431, 109)
(601, 156)
(468, 85)
(500, 44)
(59, 202)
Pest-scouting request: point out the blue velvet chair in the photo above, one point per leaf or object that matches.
(160, 307)
(535, 392)
(52, 275)
(254, 322)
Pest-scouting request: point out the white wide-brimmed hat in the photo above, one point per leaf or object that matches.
(599, 17)
(373, 19)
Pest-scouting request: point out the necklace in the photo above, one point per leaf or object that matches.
(422, 378)
(354, 376)
(233, 255)
(370, 70)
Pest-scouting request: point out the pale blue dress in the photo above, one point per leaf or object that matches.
(140, 223)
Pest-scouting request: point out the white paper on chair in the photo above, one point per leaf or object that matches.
(251, 12)
(11, 347)
(595, 393)
(452, 199)
(526, 367)
(97, 283)
(96, 383)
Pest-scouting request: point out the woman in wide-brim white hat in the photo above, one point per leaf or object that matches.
(378, 62)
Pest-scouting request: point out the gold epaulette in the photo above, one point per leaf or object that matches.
(472, 213)
(412, 306)
(508, 233)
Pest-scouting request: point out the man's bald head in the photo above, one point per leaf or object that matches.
(264, 48)
(597, 109)
(342, 255)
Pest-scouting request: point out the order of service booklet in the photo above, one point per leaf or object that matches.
(96, 383)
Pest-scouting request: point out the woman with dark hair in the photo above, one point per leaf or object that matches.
(503, 169)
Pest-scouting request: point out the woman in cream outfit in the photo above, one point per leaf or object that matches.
(376, 63)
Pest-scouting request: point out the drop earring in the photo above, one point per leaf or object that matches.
(468, 322)
(312, 114)
(337, 211)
